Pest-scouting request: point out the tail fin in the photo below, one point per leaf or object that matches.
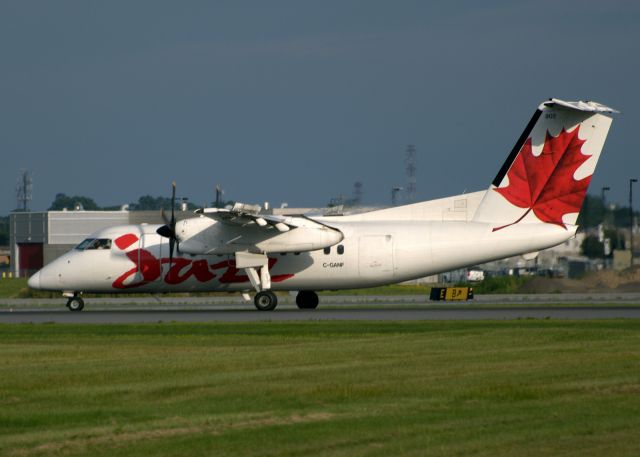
(546, 175)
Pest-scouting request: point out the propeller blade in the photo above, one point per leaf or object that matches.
(166, 232)
(164, 217)
(172, 242)
(172, 224)
(173, 206)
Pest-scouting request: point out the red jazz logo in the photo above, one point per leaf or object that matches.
(149, 268)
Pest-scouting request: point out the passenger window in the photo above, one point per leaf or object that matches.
(340, 249)
(327, 250)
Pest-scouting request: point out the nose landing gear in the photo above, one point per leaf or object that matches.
(265, 300)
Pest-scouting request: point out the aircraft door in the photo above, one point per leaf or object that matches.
(375, 256)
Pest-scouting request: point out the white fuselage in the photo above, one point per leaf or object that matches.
(372, 253)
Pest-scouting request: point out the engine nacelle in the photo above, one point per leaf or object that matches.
(203, 235)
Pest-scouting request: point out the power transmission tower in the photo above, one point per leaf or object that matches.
(410, 162)
(23, 190)
(357, 193)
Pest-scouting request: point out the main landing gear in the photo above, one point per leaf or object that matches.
(307, 299)
(75, 303)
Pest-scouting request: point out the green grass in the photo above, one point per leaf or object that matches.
(392, 289)
(13, 287)
(325, 388)
(17, 288)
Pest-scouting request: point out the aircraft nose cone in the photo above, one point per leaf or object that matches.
(34, 281)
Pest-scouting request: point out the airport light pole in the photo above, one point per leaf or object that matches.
(604, 224)
(604, 204)
(631, 181)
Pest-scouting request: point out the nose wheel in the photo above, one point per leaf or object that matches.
(265, 301)
(75, 304)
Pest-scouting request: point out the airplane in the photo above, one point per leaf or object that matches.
(532, 204)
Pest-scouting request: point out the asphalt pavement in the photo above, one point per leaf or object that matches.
(235, 301)
(232, 308)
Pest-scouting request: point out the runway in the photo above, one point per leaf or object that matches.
(130, 316)
(231, 308)
(235, 301)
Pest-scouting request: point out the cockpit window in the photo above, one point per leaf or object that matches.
(94, 243)
(82, 246)
(100, 243)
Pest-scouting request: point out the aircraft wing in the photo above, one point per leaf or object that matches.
(243, 214)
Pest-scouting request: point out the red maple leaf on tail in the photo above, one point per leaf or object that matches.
(545, 184)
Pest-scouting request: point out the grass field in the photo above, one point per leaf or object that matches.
(17, 288)
(513, 388)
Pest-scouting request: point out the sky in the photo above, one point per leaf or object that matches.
(295, 101)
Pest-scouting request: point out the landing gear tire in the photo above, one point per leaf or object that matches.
(265, 301)
(307, 299)
(75, 304)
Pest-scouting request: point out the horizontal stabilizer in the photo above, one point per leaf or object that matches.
(591, 107)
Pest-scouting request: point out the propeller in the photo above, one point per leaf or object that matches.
(168, 230)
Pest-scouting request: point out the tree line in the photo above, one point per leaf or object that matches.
(594, 213)
(144, 203)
